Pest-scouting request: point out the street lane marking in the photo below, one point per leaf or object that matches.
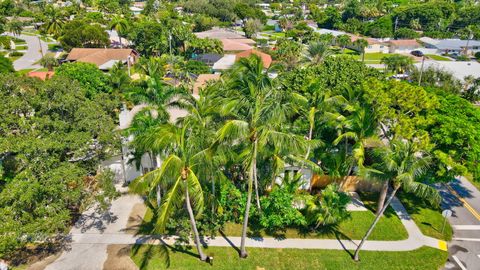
(442, 245)
(465, 204)
(466, 227)
(466, 239)
(459, 263)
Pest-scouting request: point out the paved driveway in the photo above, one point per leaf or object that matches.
(33, 54)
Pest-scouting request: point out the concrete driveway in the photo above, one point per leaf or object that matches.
(33, 54)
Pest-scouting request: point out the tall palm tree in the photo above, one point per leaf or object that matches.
(343, 41)
(119, 24)
(15, 27)
(178, 172)
(397, 63)
(317, 51)
(255, 110)
(361, 44)
(402, 163)
(54, 21)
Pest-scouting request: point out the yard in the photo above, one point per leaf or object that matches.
(388, 228)
(430, 221)
(267, 259)
(438, 57)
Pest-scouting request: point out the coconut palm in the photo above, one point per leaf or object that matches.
(317, 51)
(256, 109)
(361, 44)
(48, 61)
(178, 171)
(343, 41)
(402, 163)
(119, 24)
(398, 63)
(15, 27)
(54, 21)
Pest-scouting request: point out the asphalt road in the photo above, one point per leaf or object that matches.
(33, 53)
(464, 200)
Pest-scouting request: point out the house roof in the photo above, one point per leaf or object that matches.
(371, 41)
(234, 45)
(202, 80)
(42, 75)
(225, 62)
(208, 58)
(328, 31)
(459, 69)
(99, 56)
(450, 44)
(266, 58)
(404, 43)
(219, 33)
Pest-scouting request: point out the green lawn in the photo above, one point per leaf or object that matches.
(388, 228)
(24, 71)
(370, 58)
(428, 219)
(276, 259)
(21, 47)
(438, 57)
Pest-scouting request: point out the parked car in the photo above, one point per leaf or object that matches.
(417, 53)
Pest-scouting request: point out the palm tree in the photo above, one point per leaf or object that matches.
(402, 163)
(361, 44)
(118, 24)
(398, 63)
(317, 51)
(15, 27)
(54, 21)
(256, 109)
(343, 41)
(178, 172)
(48, 61)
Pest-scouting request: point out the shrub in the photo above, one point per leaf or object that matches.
(477, 55)
(278, 211)
(329, 208)
(15, 53)
(6, 65)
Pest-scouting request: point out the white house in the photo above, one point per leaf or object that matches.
(374, 45)
(451, 45)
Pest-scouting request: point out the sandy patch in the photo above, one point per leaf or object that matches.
(118, 258)
(135, 218)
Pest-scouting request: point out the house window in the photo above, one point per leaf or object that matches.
(369, 46)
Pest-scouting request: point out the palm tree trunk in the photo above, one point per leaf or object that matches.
(255, 180)
(194, 225)
(120, 40)
(213, 199)
(243, 251)
(363, 56)
(377, 218)
(159, 195)
(310, 134)
(382, 197)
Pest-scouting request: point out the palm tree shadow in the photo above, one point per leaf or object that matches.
(229, 241)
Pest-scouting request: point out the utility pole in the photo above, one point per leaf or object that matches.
(470, 36)
(421, 71)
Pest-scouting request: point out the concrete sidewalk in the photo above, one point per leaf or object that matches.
(94, 233)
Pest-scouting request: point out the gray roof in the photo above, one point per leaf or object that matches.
(459, 69)
(451, 44)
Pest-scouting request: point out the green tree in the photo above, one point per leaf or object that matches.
(253, 104)
(361, 44)
(48, 61)
(397, 63)
(6, 66)
(15, 27)
(88, 75)
(179, 172)
(120, 25)
(343, 41)
(317, 52)
(79, 34)
(403, 164)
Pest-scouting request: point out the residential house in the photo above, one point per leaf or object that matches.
(459, 69)
(234, 45)
(266, 58)
(224, 63)
(374, 45)
(403, 45)
(103, 58)
(449, 46)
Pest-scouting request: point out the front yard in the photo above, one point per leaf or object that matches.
(276, 259)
